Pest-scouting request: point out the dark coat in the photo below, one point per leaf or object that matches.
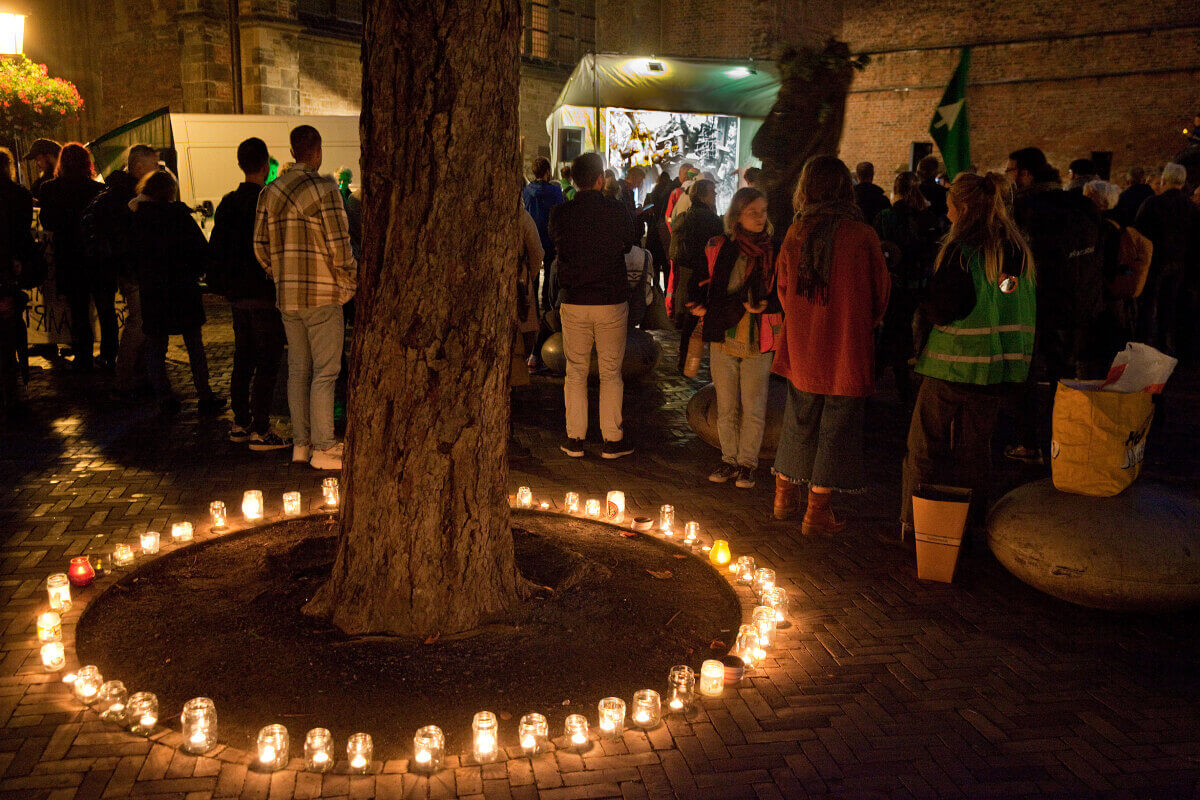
(1167, 220)
(692, 232)
(105, 227)
(871, 200)
(1130, 201)
(592, 233)
(170, 254)
(63, 201)
(540, 198)
(233, 270)
(16, 238)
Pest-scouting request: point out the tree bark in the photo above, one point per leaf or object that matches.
(426, 545)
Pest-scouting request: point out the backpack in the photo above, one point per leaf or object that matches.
(1134, 254)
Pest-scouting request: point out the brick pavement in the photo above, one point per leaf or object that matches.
(883, 687)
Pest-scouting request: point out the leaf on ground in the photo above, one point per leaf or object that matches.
(629, 534)
(433, 637)
(662, 575)
(505, 715)
(716, 644)
(680, 555)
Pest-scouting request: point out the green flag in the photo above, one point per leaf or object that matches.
(950, 128)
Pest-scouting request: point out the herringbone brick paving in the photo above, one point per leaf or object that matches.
(883, 687)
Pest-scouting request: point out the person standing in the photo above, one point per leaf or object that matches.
(1132, 198)
(44, 153)
(833, 285)
(170, 256)
(64, 200)
(934, 192)
(17, 270)
(592, 233)
(870, 198)
(1080, 173)
(302, 241)
(541, 196)
(735, 297)
(692, 231)
(257, 327)
(982, 303)
(1168, 221)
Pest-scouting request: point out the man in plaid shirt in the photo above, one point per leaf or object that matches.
(302, 240)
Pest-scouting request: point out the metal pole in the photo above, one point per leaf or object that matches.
(596, 101)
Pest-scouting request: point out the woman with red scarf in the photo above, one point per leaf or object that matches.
(833, 285)
(737, 305)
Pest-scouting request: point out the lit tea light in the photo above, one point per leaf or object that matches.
(198, 722)
(777, 599)
(273, 743)
(612, 717)
(666, 519)
(681, 688)
(691, 534)
(87, 683)
(616, 506)
(764, 579)
(592, 508)
(544, 505)
(745, 570)
(571, 502)
(291, 504)
(122, 555)
(764, 618)
(532, 731)
(58, 587)
(576, 730)
(252, 504)
(746, 647)
(111, 701)
(647, 709)
(142, 713)
(149, 542)
(719, 554)
(49, 627)
(484, 730)
(429, 744)
(318, 750)
(524, 497)
(218, 514)
(359, 751)
(182, 532)
(81, 572)
(712, 678)
(54, 656)
(331, 492)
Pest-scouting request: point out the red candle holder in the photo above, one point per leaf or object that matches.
(81, 572)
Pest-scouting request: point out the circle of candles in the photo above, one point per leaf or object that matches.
(484, 730)
(592, 508)
(691, 534)
(273, 743)
(746, 647)
(719, 554)
(666, 519)
(612, 717)
(291, 504)
(571, 502)
(111, 702)
(199, 724)
(745, 570)
(616, 506)
(318, 750)
(532, 732)
(712, 678)
(329, 491)
(359, 751)
(49, 627)
(218, 514)
(524, 497)
(58, 587)
(764, 579)
(681, 688)
(122, 555)
(182, 532)
(54, 656)
(81, 572)
(576, 730)
(142, 713)
(429, 744)
(252, 504)
(647, 709)
(777, 599)
(764, 619)
(87, 683)
(149, 542)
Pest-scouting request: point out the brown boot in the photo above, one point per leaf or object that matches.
(787, 498)
(818, 517)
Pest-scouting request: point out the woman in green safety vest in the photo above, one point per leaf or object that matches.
(981, 303)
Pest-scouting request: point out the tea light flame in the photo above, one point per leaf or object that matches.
(88, 690)
(607, 725)
(528, 742)
(579, 738)
(267, 755)
(148, 721)
(198, 737)
(423, 756)
(676, 704)
(642, 716)
(486, 743)
(358, 762)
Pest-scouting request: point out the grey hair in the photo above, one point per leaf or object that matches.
(1106, 191)
(1174, 175)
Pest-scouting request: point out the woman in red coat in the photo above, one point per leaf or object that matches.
(833, 285)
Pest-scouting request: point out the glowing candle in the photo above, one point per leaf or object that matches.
(712, 678)
(49, 627)
(592, 509)
(291, 504)
(764, 579)
(532, 731)
(576, 731)
(571, 502)
(330, 491)
(764, 618)
(543, 505)
(252, 504)
(111, 701)
(122, 555)
(681, 688)
(524, 497)
(149, 542)
(87, 683)
(719, 554)
(777, 599)
(54, 656)
(318, 750)
(359, 751)
(273, 743)
(484, 729)
(81, 572)
(220, 518)
(666, 519)
(58, 587)
(647, 709)
(616, 507)
(747, 648)
(612, 717)
(182, 532)
(142, 713)
(745, 570)
(199, 724)
(691, 534)
(428, 746)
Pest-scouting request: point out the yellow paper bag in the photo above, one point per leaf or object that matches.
(1099, 438)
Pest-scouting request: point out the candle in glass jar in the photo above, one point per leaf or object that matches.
(571, 502)
(142, 713)
(712, 678)
(359, 751)
(122, 555)
(681, 688)
(428, 746)
(484, 730)
(81, 572)
(54, 656)
(647, 709)
(612, 717)
(58, 587)
(524, 497)
(149, 542)
(764, 579)
(111, 701)
(777, 599)
(49, 627)
(764, 619)
(745, 570)
(746, 648)
(220, 518)
(330, 491)
(719, 554)
(318, 750)
(532, 731)
(199, 725)
(592, 508)
(273, 744)
(691, 534)
(666, 519)
(252, 504)
(87, 683)
(576, 730)
(182, 532)
(291, 504)
(616, 506)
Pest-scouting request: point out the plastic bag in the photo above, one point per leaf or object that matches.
(1139, 368)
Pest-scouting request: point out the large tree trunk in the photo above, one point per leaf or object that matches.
(426, 545)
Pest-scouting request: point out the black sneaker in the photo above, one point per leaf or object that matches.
(239, 433)
(616, 449)
(723, 472)
(745, 478)
(211, 405)
(572, 447)
(268, 441)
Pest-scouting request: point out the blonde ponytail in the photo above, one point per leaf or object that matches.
(985, 224)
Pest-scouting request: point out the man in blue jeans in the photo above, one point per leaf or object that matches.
(302, 240)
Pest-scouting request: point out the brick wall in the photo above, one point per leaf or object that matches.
(330, 76)
(539, 90)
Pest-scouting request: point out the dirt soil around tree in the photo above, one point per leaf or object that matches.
(222, 619)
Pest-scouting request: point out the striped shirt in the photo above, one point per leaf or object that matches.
(302, 240)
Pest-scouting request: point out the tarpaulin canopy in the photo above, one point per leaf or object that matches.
(683, 85)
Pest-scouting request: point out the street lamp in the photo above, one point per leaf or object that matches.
(12, 33)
